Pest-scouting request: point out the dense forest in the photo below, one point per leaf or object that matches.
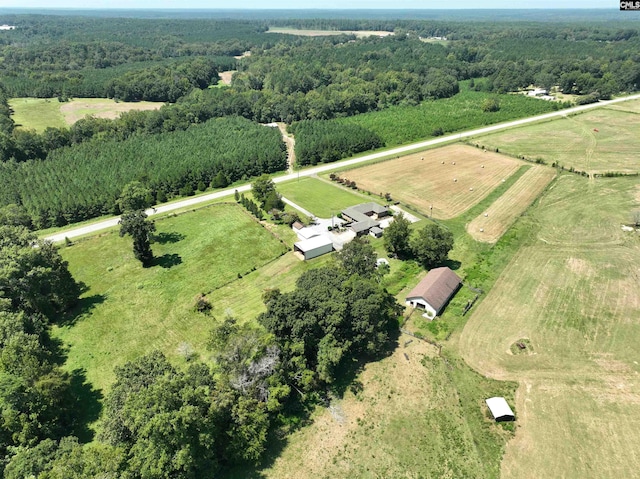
(94, 173)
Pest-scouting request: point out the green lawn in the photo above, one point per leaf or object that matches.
(605, 139)
(130, 310)
(320, 197)
(37, 113)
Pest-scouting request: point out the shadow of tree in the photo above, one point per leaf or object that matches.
(452, 264)
(82, 307)
(164, 238)
(86, 405)
(167, 260)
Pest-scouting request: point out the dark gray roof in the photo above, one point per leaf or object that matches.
(364, 225)
(362, 211)
(436, 287)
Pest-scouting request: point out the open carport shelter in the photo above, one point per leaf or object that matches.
(500, 409)
(314, 247)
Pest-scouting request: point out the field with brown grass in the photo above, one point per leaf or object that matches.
(101, 108)
(411, 415)
(492, 224)
(571, 294)
(451, 179)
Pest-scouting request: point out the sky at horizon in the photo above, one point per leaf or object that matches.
(306, 4)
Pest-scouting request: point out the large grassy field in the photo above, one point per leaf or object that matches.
(130, 310)
(37, 113)
(601, 140)
(321, 197)
(40, 113)
(451, 179)
(571, 295)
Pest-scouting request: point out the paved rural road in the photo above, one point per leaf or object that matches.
(95, 227)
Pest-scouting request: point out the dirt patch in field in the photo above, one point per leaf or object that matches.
(225, 77)
(78, 109)
(580, 267)
(494, 222)
(443, 182)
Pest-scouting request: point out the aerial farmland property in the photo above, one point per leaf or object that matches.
(173, 331)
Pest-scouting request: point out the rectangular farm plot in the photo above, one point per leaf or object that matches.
(450, 179)
(490, 225)
(606, 139)
(319, 197)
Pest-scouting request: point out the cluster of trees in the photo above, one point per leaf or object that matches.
(75, 56)
(264, 191)
(36, 396)
(85, 181)
(251, 206)
(333, 316)
(319, 141)
(164, 83)
(429, 245)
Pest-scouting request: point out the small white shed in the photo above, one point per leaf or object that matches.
(500, 409)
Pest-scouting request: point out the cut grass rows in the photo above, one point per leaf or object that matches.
(597, 141)
(504, 211)
(450, 179)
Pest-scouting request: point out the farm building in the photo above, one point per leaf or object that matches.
(434, 291)
(364, 217)
(500, 409)
(313, 247)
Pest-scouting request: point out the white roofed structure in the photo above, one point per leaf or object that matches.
(500, 409)
(314, 247)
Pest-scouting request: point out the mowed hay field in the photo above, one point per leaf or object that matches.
(40, 113)
(451, 179)
(572, 295)
(414, 416)
(597, 141)
(129, 310)
(504, 211)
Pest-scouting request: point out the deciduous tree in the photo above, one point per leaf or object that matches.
(431, 245)
(135, 224)
(396, 236)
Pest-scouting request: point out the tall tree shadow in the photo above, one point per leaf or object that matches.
(164, 238)
(86, 405)
(82, 307)
(167, 260)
